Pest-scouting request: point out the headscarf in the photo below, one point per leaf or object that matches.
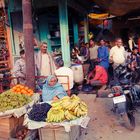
(49, 92)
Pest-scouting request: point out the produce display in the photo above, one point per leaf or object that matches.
(39, 112)
(67, 108)
(21, 89)
(10, 100)
(55, 115)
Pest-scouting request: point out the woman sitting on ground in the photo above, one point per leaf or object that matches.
(52, 90)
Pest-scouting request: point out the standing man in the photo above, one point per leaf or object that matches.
(19, 69)
(93, 50)
(117, 53)
(103, 55)
(44, 62)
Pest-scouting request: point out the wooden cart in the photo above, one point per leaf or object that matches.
(59, 133)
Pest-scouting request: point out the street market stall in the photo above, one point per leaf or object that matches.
(61, 119)
(14, 104)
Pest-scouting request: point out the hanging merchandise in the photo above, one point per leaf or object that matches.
(90, 35)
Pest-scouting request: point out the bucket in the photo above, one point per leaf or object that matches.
(78, 73)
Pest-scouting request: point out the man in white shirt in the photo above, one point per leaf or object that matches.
(93, 49)
(117, 54)
(45, 64)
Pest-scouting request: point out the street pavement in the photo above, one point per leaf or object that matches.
(104, 124)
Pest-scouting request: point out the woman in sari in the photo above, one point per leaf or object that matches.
(52, 90)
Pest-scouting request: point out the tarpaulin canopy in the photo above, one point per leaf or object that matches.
(102, 16)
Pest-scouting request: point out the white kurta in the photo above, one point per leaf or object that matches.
(45, 65)
(118, 54)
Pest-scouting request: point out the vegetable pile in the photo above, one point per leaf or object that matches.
(39, 112)
(10, 100)
(21, 89)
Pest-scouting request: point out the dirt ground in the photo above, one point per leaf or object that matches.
(104, 124)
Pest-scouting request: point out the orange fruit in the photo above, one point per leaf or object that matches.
(17, 85)
(25, 92)
(21, 87)
(22, 91)
(29, 90)
(26, 88)
(18, 90)
(14, 88)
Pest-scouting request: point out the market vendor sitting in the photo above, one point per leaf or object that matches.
(52, 90)
(98, 76)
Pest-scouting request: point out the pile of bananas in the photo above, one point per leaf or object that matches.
(55, 115)
(68, 108)
(69, 115)
(81, 109)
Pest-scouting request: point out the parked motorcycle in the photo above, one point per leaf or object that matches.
(123, 95)
(123, 105)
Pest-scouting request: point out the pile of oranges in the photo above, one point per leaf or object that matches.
(21, 89)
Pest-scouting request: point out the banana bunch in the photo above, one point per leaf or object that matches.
(69, 115)
(74, 97)
(55, 115)
(65, 102)
(70, 103)
(56, 103)
(81, 109)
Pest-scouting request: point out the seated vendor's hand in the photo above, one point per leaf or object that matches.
(55, 98)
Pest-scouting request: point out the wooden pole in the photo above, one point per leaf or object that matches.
(28, 42)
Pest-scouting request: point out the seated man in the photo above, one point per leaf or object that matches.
(98, 76)
(52, 90)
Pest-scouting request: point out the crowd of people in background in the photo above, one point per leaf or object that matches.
(107, 57)
(101, 56)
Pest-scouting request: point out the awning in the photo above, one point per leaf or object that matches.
(100, 16)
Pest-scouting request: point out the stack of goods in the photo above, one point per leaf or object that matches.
(67, 108)
(39, 112)
(21, 89)
(10, 100)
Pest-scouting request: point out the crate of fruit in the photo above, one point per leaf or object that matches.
(15, 102)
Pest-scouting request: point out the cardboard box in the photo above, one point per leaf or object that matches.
(59, 133)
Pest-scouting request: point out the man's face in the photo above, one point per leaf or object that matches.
(119, 42)
(135, 51)
(102, 42)
(44, 48)
(23, 56)
(91, 43)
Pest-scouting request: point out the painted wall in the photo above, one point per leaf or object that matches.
(17, 23)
